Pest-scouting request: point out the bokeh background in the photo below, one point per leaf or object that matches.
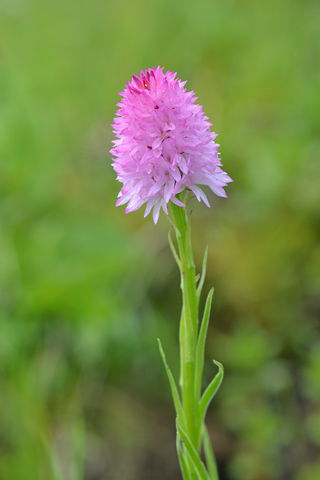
(85, 291)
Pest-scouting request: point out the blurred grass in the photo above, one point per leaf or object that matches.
(85, 291)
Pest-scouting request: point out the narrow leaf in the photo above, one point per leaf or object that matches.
(193, 454)
(201, 344)
(209, 455)
(174, 390)
(182, 461)
(210, 392)
(203, 273)
(173, 249)
(188, 241)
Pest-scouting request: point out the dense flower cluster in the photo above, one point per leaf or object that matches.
(164, 144)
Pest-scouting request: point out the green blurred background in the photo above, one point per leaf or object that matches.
(85, 290)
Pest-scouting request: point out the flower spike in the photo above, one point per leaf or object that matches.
(163, 144)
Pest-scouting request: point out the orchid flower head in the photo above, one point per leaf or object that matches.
(163, 144)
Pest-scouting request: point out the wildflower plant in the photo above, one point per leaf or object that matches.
(164, 150)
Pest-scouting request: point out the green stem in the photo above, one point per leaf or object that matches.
(188, 323)
(192, 406)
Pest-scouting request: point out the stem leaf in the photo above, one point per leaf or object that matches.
(173, 249)
(203, 273)
(174, 390)
(209, 455)
(210, 392)
(182, 461)
(201, 343)
(193, 454)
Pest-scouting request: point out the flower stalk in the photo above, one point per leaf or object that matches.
(189, 320)
(191, 431)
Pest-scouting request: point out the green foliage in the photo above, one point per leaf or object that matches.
(192, 454)
(174, 390)
(210, 391)
(85, 291)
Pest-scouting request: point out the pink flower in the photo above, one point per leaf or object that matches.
(164, 144)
